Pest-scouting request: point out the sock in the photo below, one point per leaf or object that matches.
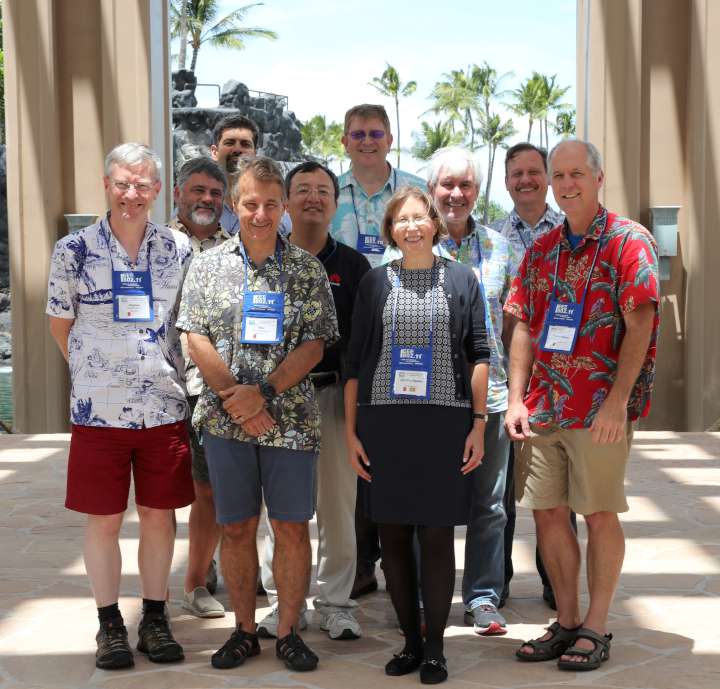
(109, 612)
(153, 607)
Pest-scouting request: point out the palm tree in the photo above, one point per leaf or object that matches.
(228, 32)
(455, 101)
(484, 84)
(323, 139)
(389, 84)
(551, 96)
(432, 138)
(565, 124)
(529, 103)
(494, 134)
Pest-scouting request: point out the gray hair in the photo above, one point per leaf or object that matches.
(201, 165)
(456, 160)
(594, 159)
(132, 154)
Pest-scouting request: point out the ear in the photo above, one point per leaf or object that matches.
(344, 140)
(213, 151)
(390, 139)
(176, 194)
(601, 178)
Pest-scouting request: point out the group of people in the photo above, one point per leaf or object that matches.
(283, 330)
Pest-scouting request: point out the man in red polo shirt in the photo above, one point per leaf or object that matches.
(582, 364)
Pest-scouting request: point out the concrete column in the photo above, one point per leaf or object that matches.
(80, 77)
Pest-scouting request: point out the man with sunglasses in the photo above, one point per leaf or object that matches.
(365, 190)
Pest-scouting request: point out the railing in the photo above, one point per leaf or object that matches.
(255, 94)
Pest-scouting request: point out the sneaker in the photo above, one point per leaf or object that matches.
(486, 620)
(201, 603)
(211, 578)
(156, 639)
(240, 646)
(291, 649)
(267, 628)
(113, 651)
(339, 624)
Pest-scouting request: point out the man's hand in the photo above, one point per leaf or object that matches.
(242, 402)
(358, 457)
(516, 422)
(609, 423)
(259, 424)
(474, 448)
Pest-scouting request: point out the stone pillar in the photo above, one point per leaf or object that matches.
(80, 77)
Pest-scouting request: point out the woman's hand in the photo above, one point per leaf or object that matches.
(474, 447)
(358, 459)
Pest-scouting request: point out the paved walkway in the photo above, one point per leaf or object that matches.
(666, 617)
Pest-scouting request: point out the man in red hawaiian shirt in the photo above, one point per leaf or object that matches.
(582, 363)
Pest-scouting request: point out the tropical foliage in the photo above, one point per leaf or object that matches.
(433, 137)
(535, 99)
(565, 124)
(322, 139)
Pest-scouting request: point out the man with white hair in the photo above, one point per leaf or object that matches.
(112, 301)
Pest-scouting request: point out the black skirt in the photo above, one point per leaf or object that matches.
(415, 454)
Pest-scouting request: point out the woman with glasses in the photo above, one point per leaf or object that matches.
(415, 396)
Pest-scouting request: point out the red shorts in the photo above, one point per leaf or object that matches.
(101, 460)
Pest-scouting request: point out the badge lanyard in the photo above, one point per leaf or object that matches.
(411, 366)
(132, 295)
(369, 243)
(263, 312)
(562, 322)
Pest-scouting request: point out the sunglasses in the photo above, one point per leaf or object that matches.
(360, 134)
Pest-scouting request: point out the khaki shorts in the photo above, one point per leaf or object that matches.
(565, 467)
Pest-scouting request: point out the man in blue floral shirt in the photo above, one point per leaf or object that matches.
(112, 298)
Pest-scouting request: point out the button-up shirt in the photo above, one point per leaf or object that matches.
(357, 212)
(123, 374)
(568, 389)
(212, 306)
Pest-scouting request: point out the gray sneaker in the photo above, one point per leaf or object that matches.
(339, 624)
(200, 602)
(267, 627)
(485, 620)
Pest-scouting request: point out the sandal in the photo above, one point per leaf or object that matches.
(596, 656)
(240, 646)
(291, 649)
(549, 649)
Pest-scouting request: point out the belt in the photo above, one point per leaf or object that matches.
(322, 379)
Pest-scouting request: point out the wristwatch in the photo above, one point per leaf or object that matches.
(480, 416)
(267, 390)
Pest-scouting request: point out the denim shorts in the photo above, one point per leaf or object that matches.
(243, 474)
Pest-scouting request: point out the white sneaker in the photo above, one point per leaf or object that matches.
(201, 603)
(339, 624)
(267, 627)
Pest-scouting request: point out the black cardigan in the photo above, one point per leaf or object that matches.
(467, 327)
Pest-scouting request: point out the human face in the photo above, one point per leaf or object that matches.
(234, 144)
(367, 152)
(455, 195)
(311, 202)
(413, 230)
(575, 186)
(259, 207)
(526, 180)
(200, 200)
(131, 205)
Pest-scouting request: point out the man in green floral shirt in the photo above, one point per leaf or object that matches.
(259, 312)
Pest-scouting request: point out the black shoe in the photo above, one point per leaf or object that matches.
(403, 663)
(433, 671)
(113, 651)
(365, 582)
(156, 639)
(291, 649)
(240, 646)
(549, 597)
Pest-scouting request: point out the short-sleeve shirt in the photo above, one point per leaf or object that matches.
(123, 375)
(356, 211)
(568, 389)
(212, 306)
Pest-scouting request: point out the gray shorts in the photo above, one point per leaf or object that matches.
(242, 474)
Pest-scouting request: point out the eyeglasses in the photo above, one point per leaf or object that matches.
(360, 134)
(404, 223)
(139, 187)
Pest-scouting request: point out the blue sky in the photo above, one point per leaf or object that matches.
(328, 51)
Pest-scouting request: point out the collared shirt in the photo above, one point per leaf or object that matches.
(193, 379)
(356, 211)
(568, 389)
(212, 306)
(123, 375)
(231, 223)
(521, 234)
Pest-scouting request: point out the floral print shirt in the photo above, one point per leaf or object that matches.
(568, 389)
(211, 305)
(123, 375)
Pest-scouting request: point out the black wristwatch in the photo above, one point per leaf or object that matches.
(479, 416)
(267, 390)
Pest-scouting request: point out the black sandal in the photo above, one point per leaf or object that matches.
(291, 649)
(596, 655)
(233, 653)
(549, 649)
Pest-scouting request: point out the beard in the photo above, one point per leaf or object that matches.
(204, 216)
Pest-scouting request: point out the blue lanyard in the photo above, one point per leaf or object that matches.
(397, 297)
(352, 194)
(278, 258)
(106, 226)
(587, 282)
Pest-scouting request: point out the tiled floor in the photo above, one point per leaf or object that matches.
(666, 616)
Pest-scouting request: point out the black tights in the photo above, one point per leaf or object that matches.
(437, 576)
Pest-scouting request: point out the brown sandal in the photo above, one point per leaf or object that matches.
(549, 649)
